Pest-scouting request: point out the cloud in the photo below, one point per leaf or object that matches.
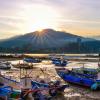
(79, 21)
(81, 14)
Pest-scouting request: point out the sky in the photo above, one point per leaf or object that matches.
(80, 17)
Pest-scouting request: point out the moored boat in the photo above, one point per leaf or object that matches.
(32, 60)
(26, 88)
(82, 76)
(50, 89)
(8, 93)
(59, 62)
(5, 65)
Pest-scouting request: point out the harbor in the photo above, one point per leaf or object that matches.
(49, 50)
(45, 70)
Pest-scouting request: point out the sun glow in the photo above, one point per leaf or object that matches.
(40, 30)
(39, 17)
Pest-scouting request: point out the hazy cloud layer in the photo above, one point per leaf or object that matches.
(77, 16)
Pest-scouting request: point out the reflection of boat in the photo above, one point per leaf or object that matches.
(32, 60)
(5, 65)
(81, 76)
(59, 62)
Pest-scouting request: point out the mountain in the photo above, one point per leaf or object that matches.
(96, 37)
(47, 38)
(45, 41)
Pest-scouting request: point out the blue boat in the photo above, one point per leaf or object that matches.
(81, 76)
(55, 84)
(59, 62)
(32, 60)
(51, 89)
(5, 91)
(8, 92)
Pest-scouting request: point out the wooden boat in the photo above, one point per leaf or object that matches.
(52, 88)
(5, 65)
(81, 76)
(59, 62)
(32, 60)
(24, 66)
(53, 85)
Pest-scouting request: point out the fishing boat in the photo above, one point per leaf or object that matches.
(5, 65)
(32, 60)
(53, 85)
(51, 88)
(59, 62)
(81, 76)
(26, 88)
(8, 93)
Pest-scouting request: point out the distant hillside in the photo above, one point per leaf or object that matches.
(47, 40)
(96, 37)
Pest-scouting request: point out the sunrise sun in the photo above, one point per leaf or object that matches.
(38, 18)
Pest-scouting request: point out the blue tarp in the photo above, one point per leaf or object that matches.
(4, 91)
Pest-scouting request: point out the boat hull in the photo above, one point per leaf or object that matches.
(30, 60)
(74, 79)
(59, 63)
(5, 68)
